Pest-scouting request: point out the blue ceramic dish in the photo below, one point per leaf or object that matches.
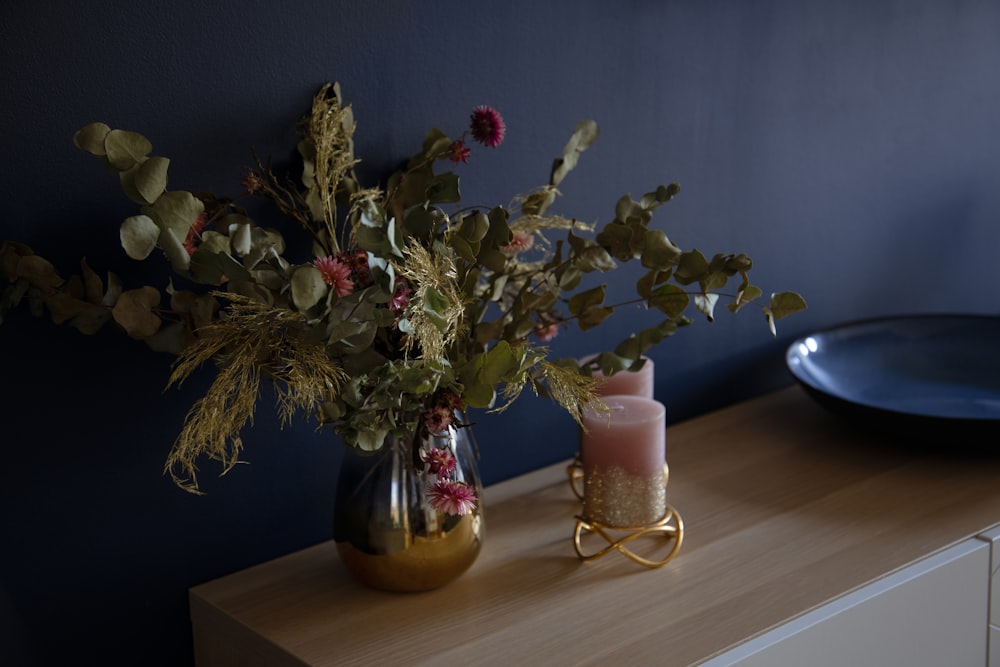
(930, 375)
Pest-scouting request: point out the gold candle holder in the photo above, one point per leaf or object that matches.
(670, 526)
(575, 472)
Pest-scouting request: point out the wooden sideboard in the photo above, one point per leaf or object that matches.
(791, 515)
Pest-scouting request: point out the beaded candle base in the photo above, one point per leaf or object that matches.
(618, 499)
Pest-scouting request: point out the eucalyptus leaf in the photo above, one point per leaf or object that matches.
(591, 317)
(744, 297)
(418, 222)
(443, 189)
(176, 211)
(784, 304)
(434, 304)
(569, 278)
(139, 235)
(114, 290)
(63, 306)
(151, 179)
(499, 233)
(134, 312)
(172, 338)
(473, 228)
(498, 363)
(492, 259)
(241, 237)
(669, 299)
(125, 149)
(691, 267)
(658, 252)
(93, 287)
(173, 248)
(307, 287)
(90, 138)
(706, 304)
(91, 319)
(627, 210)
(582, 301)
(595, 258)
(537, 203)
(584, 134)
(618, 239)
(463, 248)
(39, 272)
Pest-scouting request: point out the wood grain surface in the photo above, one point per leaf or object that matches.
(785, 507)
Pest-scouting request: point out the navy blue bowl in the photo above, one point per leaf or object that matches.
(924, 377)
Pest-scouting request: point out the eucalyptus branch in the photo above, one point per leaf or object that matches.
(288, 201)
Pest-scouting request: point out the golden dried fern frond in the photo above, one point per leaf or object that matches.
(572, 390)
(331, 129)
(437, 309)
(253, 341)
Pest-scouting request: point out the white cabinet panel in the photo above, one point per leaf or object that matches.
(930, 614)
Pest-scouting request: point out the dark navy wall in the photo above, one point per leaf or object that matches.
(851, 148)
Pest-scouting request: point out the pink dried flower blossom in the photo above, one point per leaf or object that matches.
(336, 274)
(459, 152)
(487, 126)
(546, 332)
(520, 243)
(438, 418)
(359, 266)
(194, 233)
(357, 263)
(452, 400)
(451, 497)
(440, 462)
(400, 298)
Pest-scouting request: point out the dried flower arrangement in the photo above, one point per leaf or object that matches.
(405, 314)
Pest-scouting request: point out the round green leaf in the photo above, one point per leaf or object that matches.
(90, 138)
(151, 179)
(786, 303)
(126, 149)
(658, 252)
(139, 235)
(307, 287)
(39, 272)
(176, 211)
(134, 312)
(474, 227)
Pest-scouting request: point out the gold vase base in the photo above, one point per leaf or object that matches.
(670, 527)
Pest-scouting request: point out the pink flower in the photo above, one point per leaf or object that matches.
(546, 332)
(451, 497)
(440, 461)
(452, 400)
(520, 243)
(459, 152)
(194, 233)
(438, 418)
(336, 274)
(359, 265)
(400, 298)
(487, 126)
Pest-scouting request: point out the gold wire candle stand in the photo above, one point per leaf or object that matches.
(670, 526)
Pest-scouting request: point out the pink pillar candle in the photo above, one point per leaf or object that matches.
(630, 383)
(623, 455)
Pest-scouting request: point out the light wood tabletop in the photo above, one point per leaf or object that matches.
(785, 507)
